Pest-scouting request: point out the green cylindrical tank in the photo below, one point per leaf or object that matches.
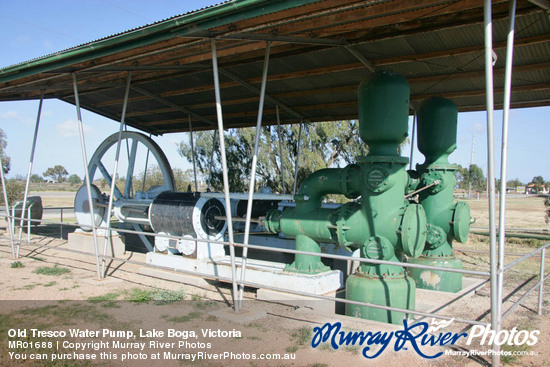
(448, 221)
(384, 112)
(437, 124)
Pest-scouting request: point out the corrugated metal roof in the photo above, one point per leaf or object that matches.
(314, 69)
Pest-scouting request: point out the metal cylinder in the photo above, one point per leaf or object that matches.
(437, 123)
(384, 112)
(185, 213)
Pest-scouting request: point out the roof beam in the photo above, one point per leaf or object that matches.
(173, 105)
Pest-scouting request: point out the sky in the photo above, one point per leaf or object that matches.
(34, 28)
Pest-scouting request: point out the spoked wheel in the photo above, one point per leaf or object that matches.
(136, 149)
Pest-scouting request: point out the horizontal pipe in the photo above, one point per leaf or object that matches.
(516, 235)
(518, 302)
(526, 256)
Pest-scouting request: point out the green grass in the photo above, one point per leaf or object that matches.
(158, 296)
(104, 298)
(51, 270)
(17, 265)
(49, 284)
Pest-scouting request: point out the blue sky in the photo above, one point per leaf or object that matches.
(30, 29)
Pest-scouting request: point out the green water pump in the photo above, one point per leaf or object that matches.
(447, 221)
(380, 223)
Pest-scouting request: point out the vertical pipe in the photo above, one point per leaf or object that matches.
(219, 115)
(495, 317)
(115, 171)
(541, 286)
(193, 154)
(296, 164)
(6, 204)
(504, 154)
(86, 173)
(281, 157)
(31, 160)
(29, 224)
(253, 173)
(412, 141)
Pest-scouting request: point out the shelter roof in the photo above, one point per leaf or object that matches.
(319, 53)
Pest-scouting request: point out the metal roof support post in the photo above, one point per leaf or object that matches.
(219, 115)
(297, 158)
(504, 154)
(412, 141)
(115, 171)
(253, 173)
(7, 206)
(280, 148)
(31, 160)
(86, 173)
(193, 154)
(495, 317)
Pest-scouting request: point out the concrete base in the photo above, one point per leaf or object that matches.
(431, 301)
(261, 273)
(321, 306)
(84, 241)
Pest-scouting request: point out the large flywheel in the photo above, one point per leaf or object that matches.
(132, 195)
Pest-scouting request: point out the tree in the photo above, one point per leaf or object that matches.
(539, 183)
(514, 183)
(471, 177)
(57, 173)
(326, 144)
(154, 178)
(74, 179)
(3, 145)
(35, 178)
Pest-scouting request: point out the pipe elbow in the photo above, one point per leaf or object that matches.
(342, 181)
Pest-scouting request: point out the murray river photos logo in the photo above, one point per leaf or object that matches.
(418, 336)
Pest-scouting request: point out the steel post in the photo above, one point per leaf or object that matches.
(541, 286)
(504, 154)
(296, 164)
(219, 115)
(31, 160)
(412, 141)
(281, 157)
(193, 154)
(253, 173)
(115, 169)
(6, 204)
(86, 175)
(495, 317)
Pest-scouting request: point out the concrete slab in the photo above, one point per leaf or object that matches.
(430, 301)
(244, 316)
(84, 241)
(266, 273)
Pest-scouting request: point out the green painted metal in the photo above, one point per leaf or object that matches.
(437, 124)
(393, 292)
(187, 24)
(382, 222)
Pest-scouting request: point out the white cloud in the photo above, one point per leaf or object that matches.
(14, 117)
(69, 128)
(479, 127)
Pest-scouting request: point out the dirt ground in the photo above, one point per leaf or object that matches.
(126, 300)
